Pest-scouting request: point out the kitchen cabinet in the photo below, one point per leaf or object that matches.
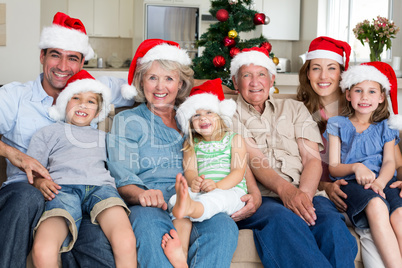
(104, 18)
(284, 19)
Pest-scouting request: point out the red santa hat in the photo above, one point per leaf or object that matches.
(381, 73)
(207, 96)
(329, 48)
(81, 82)
(68, 34)
(150, 50)
(256, 55)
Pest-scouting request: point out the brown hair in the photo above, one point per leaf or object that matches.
(185, 73)
(380, 114)
(311, 99)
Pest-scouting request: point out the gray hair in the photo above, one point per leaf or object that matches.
(185, 73)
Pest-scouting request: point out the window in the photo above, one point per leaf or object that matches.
(343, 15)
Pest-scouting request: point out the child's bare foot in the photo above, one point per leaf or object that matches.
(173, 250)
(183, 206)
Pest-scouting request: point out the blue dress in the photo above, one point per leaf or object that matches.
(367, 148)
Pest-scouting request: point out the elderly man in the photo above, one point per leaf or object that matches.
(23, 111)
(294, 226)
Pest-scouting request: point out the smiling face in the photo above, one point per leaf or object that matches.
(365, 97)
(161, 86)
(253, 83)
(82, 108)
(205, 123)
(324, 76)
(58, 66)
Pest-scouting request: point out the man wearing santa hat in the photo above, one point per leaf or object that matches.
(294, 226)
(24, 110)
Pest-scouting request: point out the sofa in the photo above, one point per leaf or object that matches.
(246, 255)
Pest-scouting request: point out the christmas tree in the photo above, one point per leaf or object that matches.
(222, 41)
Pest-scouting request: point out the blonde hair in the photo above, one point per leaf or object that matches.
(380, 114)
(311, 99)
(185, 74)
(194, 137)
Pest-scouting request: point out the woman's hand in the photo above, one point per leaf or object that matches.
(47, 187)
(152, 198)
(208, 185)
(397, 184)
(363, 174)
(335, 194)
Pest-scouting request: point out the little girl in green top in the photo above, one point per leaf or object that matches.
(214, 163)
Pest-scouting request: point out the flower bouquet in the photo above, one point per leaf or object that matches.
(377, 34)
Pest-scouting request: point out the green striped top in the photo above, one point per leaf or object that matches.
(214, 159)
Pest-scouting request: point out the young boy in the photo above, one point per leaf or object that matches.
(75, 155)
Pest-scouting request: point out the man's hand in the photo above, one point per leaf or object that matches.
(300, 203)
(152, 198)
(47, 187)
(336, 195)
(29, 165)
(253, 202)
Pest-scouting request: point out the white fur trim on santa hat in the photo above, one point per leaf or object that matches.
(252, 57)
(324, 54)
(58, 111)
(359, 73)
(166, 52)
(56, 36)
(225, 109)
(395, 121)
(128, 92)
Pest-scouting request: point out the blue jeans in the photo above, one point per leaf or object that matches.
(283, 239)
(212, 242)
(21, 206)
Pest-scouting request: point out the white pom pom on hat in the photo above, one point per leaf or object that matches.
(150, 50)
(207, 96)
(381, 73)
(68, 34)
(81, 82)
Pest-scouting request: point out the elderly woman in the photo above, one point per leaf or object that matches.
(283, 144)
(145, 156)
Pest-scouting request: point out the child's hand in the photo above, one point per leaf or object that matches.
(364, 175)
(208, 185)
(196, 184)
(376, 187)
(47, 187)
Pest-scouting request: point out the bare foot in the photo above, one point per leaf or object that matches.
(183, 205)
(173, 250)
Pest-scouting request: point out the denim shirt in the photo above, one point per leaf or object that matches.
(24, 110)
(142, 150)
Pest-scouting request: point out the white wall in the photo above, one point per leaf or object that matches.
(20, 57)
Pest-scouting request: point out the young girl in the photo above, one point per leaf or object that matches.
(75, 154)
(362, 151)
(214, 163)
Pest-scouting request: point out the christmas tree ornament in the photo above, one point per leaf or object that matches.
(267, 46)
(222, 15)
(276, 91)
(219, 61)
(228, 42)
(232, 34)
(234, 51)
(233, 2)
(267, 20)
(259, 18)
(275, 60)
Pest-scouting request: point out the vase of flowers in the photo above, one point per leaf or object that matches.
(377, 34)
